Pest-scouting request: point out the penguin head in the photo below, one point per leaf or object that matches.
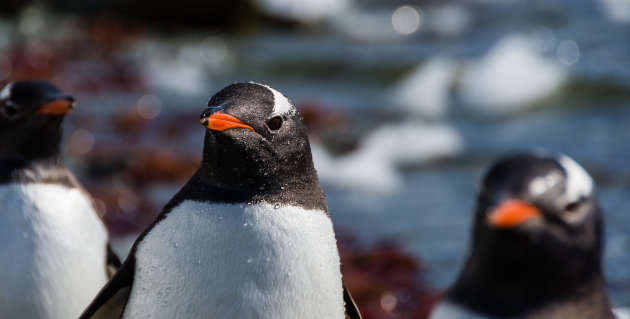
(31, 116)
(536, 240)
(538, 201)
(256, 138)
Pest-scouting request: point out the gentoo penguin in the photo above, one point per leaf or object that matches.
(537, 244)
(53, 246)
(248, 236)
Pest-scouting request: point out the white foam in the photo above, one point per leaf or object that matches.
(426, 90)
(208, 260)
(510, 77)
(281, 105)
(52, 251)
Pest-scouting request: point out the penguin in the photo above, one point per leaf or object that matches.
(54, 249)
(248, 236)
(536, 244)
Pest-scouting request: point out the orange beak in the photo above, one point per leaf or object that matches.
(220, 121)
(56, 107)
(513, 212)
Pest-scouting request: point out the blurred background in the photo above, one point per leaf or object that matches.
(406, 103)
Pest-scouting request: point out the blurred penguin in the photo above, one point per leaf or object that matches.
(54, 252)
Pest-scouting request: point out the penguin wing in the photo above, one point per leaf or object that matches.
(352, 311)
(113, 262)
(112, 299)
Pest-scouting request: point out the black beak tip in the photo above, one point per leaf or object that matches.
(71, 103)
(211, 110)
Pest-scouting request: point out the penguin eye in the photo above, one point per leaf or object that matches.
(572, 207)
(275, 123)
(9, 111)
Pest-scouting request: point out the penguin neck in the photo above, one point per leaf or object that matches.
(40, 147)
(236, 175)
(501, 281)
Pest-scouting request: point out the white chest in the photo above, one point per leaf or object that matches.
(52, 251)
(231, 261)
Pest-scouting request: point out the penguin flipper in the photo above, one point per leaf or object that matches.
(352, 311)
(112, 299)
(113, 262)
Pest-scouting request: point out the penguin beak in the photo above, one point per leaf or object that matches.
(219, 121)
(57, 107)
(512, 213)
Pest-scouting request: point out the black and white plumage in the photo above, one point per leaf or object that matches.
(54, 252)
(248, 236)
(537, 244)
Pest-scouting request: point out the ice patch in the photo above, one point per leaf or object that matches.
(355, 172)
(373, 166)
(412, 142)
(425, 91)
(622, 313)
(510, 77)
(303, 10)
(616, 10)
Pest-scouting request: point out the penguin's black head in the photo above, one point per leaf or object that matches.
(31, 115)
(536, 240)
(541, 202)
(256, 141)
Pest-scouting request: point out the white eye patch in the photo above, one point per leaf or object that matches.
(541, 184)
(6, 92)
(281, 104)
(579, 183)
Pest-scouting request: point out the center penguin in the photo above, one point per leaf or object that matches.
(248, 236)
